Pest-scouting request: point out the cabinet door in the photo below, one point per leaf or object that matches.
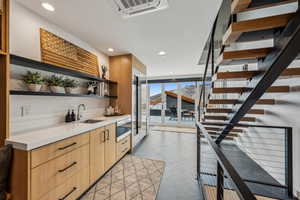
(110, 146)
(97, 152)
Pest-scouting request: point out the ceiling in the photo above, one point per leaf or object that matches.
(180, 30)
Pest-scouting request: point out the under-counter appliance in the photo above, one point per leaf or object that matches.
(123, 128)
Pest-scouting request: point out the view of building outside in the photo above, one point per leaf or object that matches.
(174, 103)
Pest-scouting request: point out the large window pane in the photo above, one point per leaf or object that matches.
(155, 103)
(188, 98)
(171, 96)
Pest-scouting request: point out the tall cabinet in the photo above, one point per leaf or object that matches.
(130, 73)
(121, 70)
(4, 71)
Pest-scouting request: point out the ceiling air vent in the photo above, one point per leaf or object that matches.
(130, 8)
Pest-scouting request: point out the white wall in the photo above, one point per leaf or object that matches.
(43, 111)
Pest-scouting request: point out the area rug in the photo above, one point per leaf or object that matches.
(173, 129)
(133, 178)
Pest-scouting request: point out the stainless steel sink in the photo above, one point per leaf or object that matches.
(92, 121)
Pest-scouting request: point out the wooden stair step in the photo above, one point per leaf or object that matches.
(238, 75)
(227, 57)
(218, 133)
(248, 5)
(228, 110)
(291, 72)
(223, 101)
(230, 90)
(237, 28)
(215, 137)
(209, 128)
(235, 101)
(273, 89)
(224, 118)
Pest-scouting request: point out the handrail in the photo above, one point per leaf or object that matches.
(242, 189)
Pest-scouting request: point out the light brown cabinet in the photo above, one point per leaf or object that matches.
(122, 147)
(97, 147)
(110, 146)
(67, 168)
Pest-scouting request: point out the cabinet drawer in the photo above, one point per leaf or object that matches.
(48, 176)
(46, 153)
(71, 189)
(123, 147)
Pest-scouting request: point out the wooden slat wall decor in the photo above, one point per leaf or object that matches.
(4, 71)
(58, 51)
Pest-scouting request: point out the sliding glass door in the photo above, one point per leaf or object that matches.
(173, 104)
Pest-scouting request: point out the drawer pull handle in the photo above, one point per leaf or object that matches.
(66, 196)
(124, 142)
(63, 148)
(62, 170)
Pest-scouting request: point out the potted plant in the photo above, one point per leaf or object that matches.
(33, 80)
(55, 83)
(69, 85)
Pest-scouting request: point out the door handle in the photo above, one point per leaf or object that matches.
(65, 147)
(107, 131)
(103, 133)
(62, 170)
(68, 194)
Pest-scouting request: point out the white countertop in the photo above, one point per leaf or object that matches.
(41, 137)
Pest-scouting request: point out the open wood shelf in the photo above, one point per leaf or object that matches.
(16, 92)
(29, 63)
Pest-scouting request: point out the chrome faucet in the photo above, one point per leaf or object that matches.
(78, 111)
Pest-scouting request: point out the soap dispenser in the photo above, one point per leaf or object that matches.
(73, 116)
(68, 117)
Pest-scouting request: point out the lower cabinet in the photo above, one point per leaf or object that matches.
(110, 146)
(97, 147)
(122, 147)
(65, 169)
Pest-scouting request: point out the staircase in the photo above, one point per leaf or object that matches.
(245, 68)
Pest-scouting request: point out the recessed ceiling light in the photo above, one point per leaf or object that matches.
(162, 53)
(110, 50)
(48, 6)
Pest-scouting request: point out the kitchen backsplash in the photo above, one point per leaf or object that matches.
(34, 112)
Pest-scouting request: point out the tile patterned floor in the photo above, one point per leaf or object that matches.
(133, 178)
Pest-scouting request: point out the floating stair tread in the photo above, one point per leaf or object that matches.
(218, 133)
(230, 90)
(236, 75)
(228, 110)
(273, 89)
(238, 5)
(228, 56)
(224, 118)
(237, 28)
(235, 101)
(291, 72)
(223, 101)
(220, 129)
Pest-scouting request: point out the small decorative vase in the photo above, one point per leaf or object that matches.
(68, 90)
(56, 89)
(34, 87)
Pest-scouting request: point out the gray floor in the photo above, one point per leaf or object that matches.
(178, 150)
